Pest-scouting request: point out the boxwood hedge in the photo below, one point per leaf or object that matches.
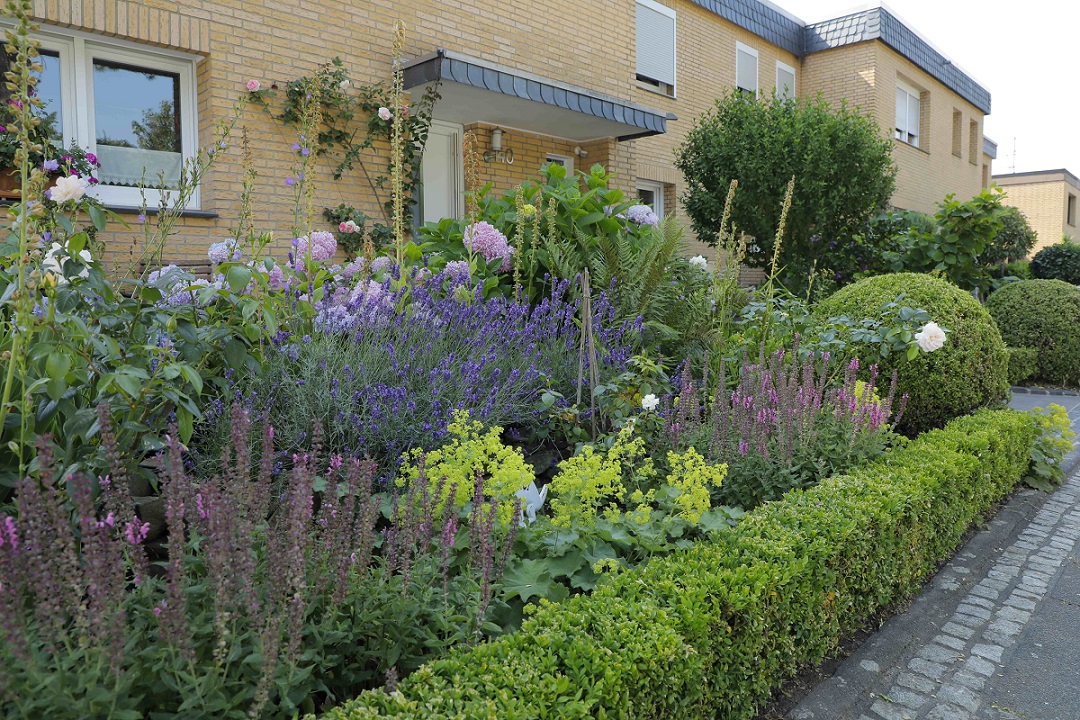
(711, 631)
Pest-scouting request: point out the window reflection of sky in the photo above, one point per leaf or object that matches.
(122, 95)
(48, 90)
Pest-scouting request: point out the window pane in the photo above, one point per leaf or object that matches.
(48, 90)
(901, 113)
(745, 71)
(913, 119)
(137, 116)
(786, 83)
(647, 197)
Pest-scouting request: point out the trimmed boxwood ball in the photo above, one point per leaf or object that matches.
(969, 372)
(1044, 315)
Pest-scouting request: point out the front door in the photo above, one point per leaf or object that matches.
(442, 174)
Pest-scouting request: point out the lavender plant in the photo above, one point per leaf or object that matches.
(388, 368)
(265, 606)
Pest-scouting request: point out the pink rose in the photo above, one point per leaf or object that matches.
(384, 113)
(253, 85)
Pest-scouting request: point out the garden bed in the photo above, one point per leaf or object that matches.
(710, 631)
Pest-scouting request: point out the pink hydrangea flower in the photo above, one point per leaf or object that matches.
(276, 278)
(484, 238)
(323, 246)
(253, 85)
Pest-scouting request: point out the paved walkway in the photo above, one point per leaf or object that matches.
(996, 633)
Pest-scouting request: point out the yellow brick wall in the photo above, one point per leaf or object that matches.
(1043, 202)
(278, 42)
(275, 43)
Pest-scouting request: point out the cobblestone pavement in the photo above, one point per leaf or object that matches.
(994, 636)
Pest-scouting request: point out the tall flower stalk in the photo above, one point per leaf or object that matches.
(23, 52)
(397, 144)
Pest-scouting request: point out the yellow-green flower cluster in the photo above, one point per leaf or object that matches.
(469, 452)
(593, 482)
(692, 477)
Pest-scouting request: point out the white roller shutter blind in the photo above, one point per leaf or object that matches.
(785, 80)
(656, 42)
(746, 69)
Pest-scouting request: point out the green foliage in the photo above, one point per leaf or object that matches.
(1053, 441)
(962, 232)
(969, 372)
(1057, 262)
(470, 456)
(1043, 315)
(612, 508)
(745, 610)
(1013, 242)
(841, 164)
(158, 129)
(1023, 364)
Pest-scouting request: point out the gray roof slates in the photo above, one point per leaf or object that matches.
(879, 24)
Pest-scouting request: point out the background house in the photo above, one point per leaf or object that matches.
(1048, 200)
(616, 82)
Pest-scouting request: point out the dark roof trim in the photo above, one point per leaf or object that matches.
(879, 24)
(453, 67)
(989, 147)
(763, 19)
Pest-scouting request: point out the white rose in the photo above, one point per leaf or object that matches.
(699, 261)
(343, 84)
(931, 337)
(650, 402)
(67, 188)
(55, 265)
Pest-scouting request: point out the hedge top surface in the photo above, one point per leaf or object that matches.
(1043, 315)
(969, 372)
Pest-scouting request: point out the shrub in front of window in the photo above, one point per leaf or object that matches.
(842, 166)
(971, 369)
(1043, 315)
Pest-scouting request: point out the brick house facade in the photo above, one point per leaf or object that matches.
(1048, 199)
(616, 82)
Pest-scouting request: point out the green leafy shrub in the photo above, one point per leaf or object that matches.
(842, 166)
(1057, 262)
(1013, 241)
(744, 611)
(1023, 364)
(962, 231)
(1044, 315)
(968, 372)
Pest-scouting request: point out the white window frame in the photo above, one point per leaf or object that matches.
(902, 126)
(565, 160)
(784, 67)
(740, 48)
(77, 53)
(662, 86)
(657, 189)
